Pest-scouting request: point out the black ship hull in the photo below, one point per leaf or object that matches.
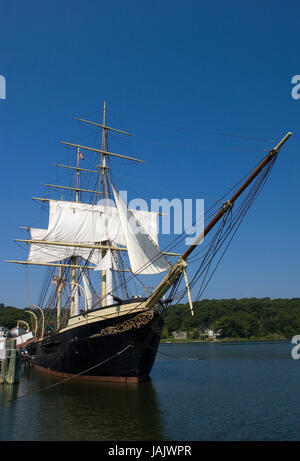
(118, 349)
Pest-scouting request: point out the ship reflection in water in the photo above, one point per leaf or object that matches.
(199, 391)
(78, 410)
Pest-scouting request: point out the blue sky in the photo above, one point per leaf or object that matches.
(170, 72)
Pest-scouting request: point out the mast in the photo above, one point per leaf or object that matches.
(179, 267)
(103, 167)
(60, 285)
(39, 236)
(73, 311)
(77, 177)
(103, 147)
(102, 247)
(77, 189)
(73, 280)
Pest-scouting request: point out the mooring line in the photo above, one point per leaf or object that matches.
(175, 356)
(179, 358)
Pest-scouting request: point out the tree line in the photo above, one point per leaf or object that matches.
(9, 316)
(236, 318)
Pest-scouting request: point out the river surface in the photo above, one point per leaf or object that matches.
(198, 391)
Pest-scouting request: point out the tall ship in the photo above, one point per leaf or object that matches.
(92, 321)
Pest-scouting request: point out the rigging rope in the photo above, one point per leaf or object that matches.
(230, 222)
(74, 376)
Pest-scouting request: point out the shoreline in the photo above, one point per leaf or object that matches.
(223, 340)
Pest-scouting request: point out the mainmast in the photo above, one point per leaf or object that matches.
(39, 238)
(106, 276)
(104, 149)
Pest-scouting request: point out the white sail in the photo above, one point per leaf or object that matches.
(91, 298)
(109, 288)
(74, 222)
(107, 263)
(144, 255)
(83, 223)
(51, 253)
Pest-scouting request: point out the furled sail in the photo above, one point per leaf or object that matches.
(107, 263)
(91, 297)
(144, 255)
(84, 290)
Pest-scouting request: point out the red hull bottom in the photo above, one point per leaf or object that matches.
(117, 379)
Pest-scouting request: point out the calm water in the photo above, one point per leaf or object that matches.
(242, 391)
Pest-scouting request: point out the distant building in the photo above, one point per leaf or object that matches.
(179, 334)
(211, 334)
